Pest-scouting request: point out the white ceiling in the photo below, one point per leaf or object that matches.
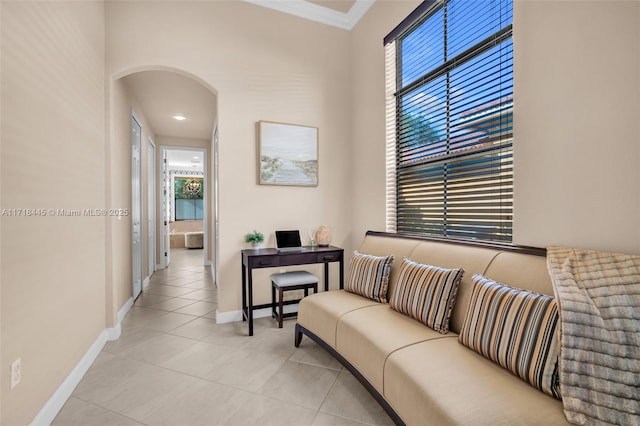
(163, 94)
(343, 14)
(178, 159)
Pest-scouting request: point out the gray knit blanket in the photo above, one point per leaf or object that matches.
(598, 297)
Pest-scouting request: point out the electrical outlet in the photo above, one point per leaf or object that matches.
(16, 367)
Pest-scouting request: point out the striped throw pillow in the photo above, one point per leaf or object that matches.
(369, 276)
(426, 293)
(516, 329)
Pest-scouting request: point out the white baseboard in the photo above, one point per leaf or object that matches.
(53, 406)
(145, 283)
(124, 310)
(234, 316)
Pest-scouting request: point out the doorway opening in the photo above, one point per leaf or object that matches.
(185, 201)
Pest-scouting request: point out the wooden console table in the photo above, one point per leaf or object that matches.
(272, 258)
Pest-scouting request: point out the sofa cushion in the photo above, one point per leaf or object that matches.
(426, 293)
(369, 276)
(383, 246)
(474, 260)
(441, 382)
(366, 337)
(516, 329)
(319, 313)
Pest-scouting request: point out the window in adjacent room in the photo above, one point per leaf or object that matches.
(189, 198)
(449, 121)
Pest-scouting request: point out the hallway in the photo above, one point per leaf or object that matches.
(173, 365)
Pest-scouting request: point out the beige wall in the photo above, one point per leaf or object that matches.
(264, 65)
(53, 156)
(119, 177)
(577, 137)
(576, 127)
(368, 112)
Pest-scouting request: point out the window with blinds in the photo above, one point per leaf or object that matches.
(449, 121)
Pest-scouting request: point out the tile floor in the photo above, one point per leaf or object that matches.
(173, 365)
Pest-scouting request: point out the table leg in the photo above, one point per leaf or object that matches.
(250, 304)
(244, 291)
(326, 276)
(341, 273)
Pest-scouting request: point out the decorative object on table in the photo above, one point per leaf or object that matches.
(323, 236)
(287, 154)
(255, 238)
(312, 239)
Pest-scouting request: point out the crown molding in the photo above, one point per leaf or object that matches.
(317, 13)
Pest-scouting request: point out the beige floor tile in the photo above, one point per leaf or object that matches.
(144, 394)
(176, 282)
(324, 419)
(200, 360)
(234, 334)
(265, 411)
(147, 299)
(77, 412)
(199, 328)
(273, 341)
(210, 315)
(158, 349)
(107, 377)
(130, 337)
(200, 284)
(136, 316)
(302, 384)
(245, 369)
(349, 399)
(197, 294)
(310, 352)
(166, 322)
(178, 369)
(198, 308)
(167, 290)
(172, 304)
(204, 403)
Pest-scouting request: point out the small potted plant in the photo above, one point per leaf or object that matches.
(255, 238)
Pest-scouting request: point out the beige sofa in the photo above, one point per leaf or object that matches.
(422, 377)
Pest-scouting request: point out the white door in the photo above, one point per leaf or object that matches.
(136, 206)
(151, 204)
(166, 214)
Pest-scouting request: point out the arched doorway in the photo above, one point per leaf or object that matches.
(174, 109)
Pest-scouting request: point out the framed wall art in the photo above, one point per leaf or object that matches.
(287, 154)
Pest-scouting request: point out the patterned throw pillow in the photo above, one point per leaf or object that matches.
(516, 329)
(369, 276)
(426, 293)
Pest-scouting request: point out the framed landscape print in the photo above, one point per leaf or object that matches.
(287, 154)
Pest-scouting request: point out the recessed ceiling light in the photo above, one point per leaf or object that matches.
(179, 117)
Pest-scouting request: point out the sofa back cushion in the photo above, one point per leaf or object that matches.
(369, 276)
(426, 293)
(516, 329)
(474, 260)
(384, 246)
(520, 270)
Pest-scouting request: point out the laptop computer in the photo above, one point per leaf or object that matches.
(288, 240)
